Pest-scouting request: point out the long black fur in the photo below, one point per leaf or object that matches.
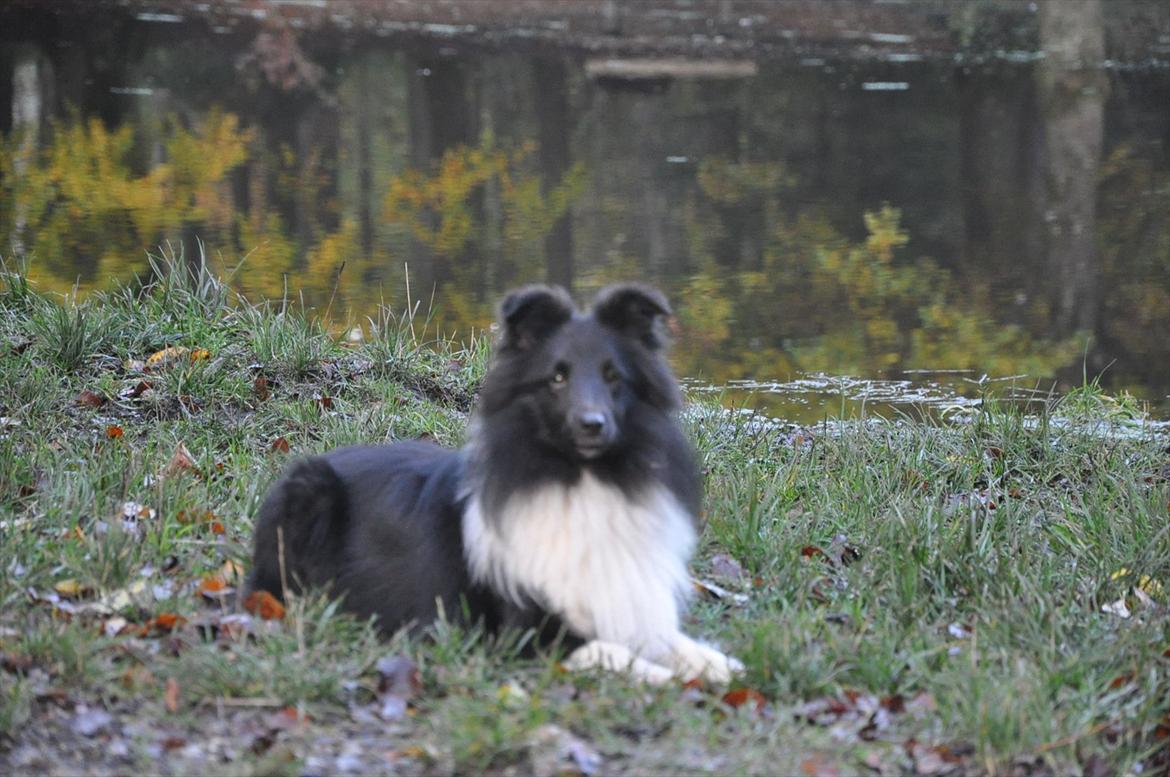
(382, 526)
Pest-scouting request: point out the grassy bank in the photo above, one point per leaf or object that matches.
(980, 595)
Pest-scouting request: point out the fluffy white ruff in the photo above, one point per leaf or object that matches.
(613, 568)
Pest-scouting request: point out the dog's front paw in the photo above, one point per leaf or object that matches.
(617, 658)
(694, 659)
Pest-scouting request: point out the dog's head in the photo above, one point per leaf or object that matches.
(576, 376)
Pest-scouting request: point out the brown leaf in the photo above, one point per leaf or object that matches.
(200, 354)
(16, 663)
(399, 681)
(811, 551)
(213, 587)
(113, 431)
(280, 445)
(325, 402)
(723, 565)
(823, 711)
(181, 461)
(398, 675)
(171, 695)
(260, 388)
(89, 398)
(165, 622)
(137, 390)
(841, 552)
(137, 676)
(232, 571)
(815, 766)
(265, 605)
(195, 516)
(741, 696)
(287, 718)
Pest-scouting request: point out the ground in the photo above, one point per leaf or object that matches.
(979, 593)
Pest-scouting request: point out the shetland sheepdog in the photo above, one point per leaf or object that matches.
(570, 511)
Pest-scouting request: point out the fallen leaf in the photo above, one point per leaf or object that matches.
(165, 358)
(815, 766)
(809, 551)
(1120, 681)
(280, 445)
(165, 622)
(288, 718)
(89, 398)
(264, 605)
(90, 722)
(113, 431)
(841, 552)
(16, 663)
(115, 626)
(137, 390)
(71, 589)
(260, 388)
(1096, 765)
(555, 750)
(199, 354)
(741, 696)
(213, 587)
(134, 511)
(137, 676)
(723, 565)
(232, 571)
(398, 675)
(718, 593)
(181, 461)
(325, 402)
(1117, 608)
(171, 695)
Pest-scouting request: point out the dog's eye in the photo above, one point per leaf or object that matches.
(610, 373)
(560, 377)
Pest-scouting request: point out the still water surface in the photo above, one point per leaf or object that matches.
(833, 229)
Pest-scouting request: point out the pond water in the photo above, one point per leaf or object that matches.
(884, 218)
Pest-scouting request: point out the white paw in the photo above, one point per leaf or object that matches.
(617, 658)
(694, 659)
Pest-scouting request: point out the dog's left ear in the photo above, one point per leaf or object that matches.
(635, 311)
(531, 314)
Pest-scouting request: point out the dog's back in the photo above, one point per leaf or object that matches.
(381, 525)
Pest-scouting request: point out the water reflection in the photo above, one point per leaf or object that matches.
(1009, 219)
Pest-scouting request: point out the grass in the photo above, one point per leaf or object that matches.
(920, 596)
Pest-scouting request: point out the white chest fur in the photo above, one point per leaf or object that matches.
(612, 568)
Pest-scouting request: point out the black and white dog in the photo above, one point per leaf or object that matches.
(571, 510)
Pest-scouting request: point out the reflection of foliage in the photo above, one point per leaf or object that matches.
(900, 314)
(437, 208)
(81, 195)
(1134, 240)
(729, 183)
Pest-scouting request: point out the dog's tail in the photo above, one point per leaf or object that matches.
(300, 530)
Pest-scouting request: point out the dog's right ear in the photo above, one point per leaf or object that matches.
(530, 314)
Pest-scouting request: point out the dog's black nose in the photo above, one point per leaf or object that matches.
(591, 423)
